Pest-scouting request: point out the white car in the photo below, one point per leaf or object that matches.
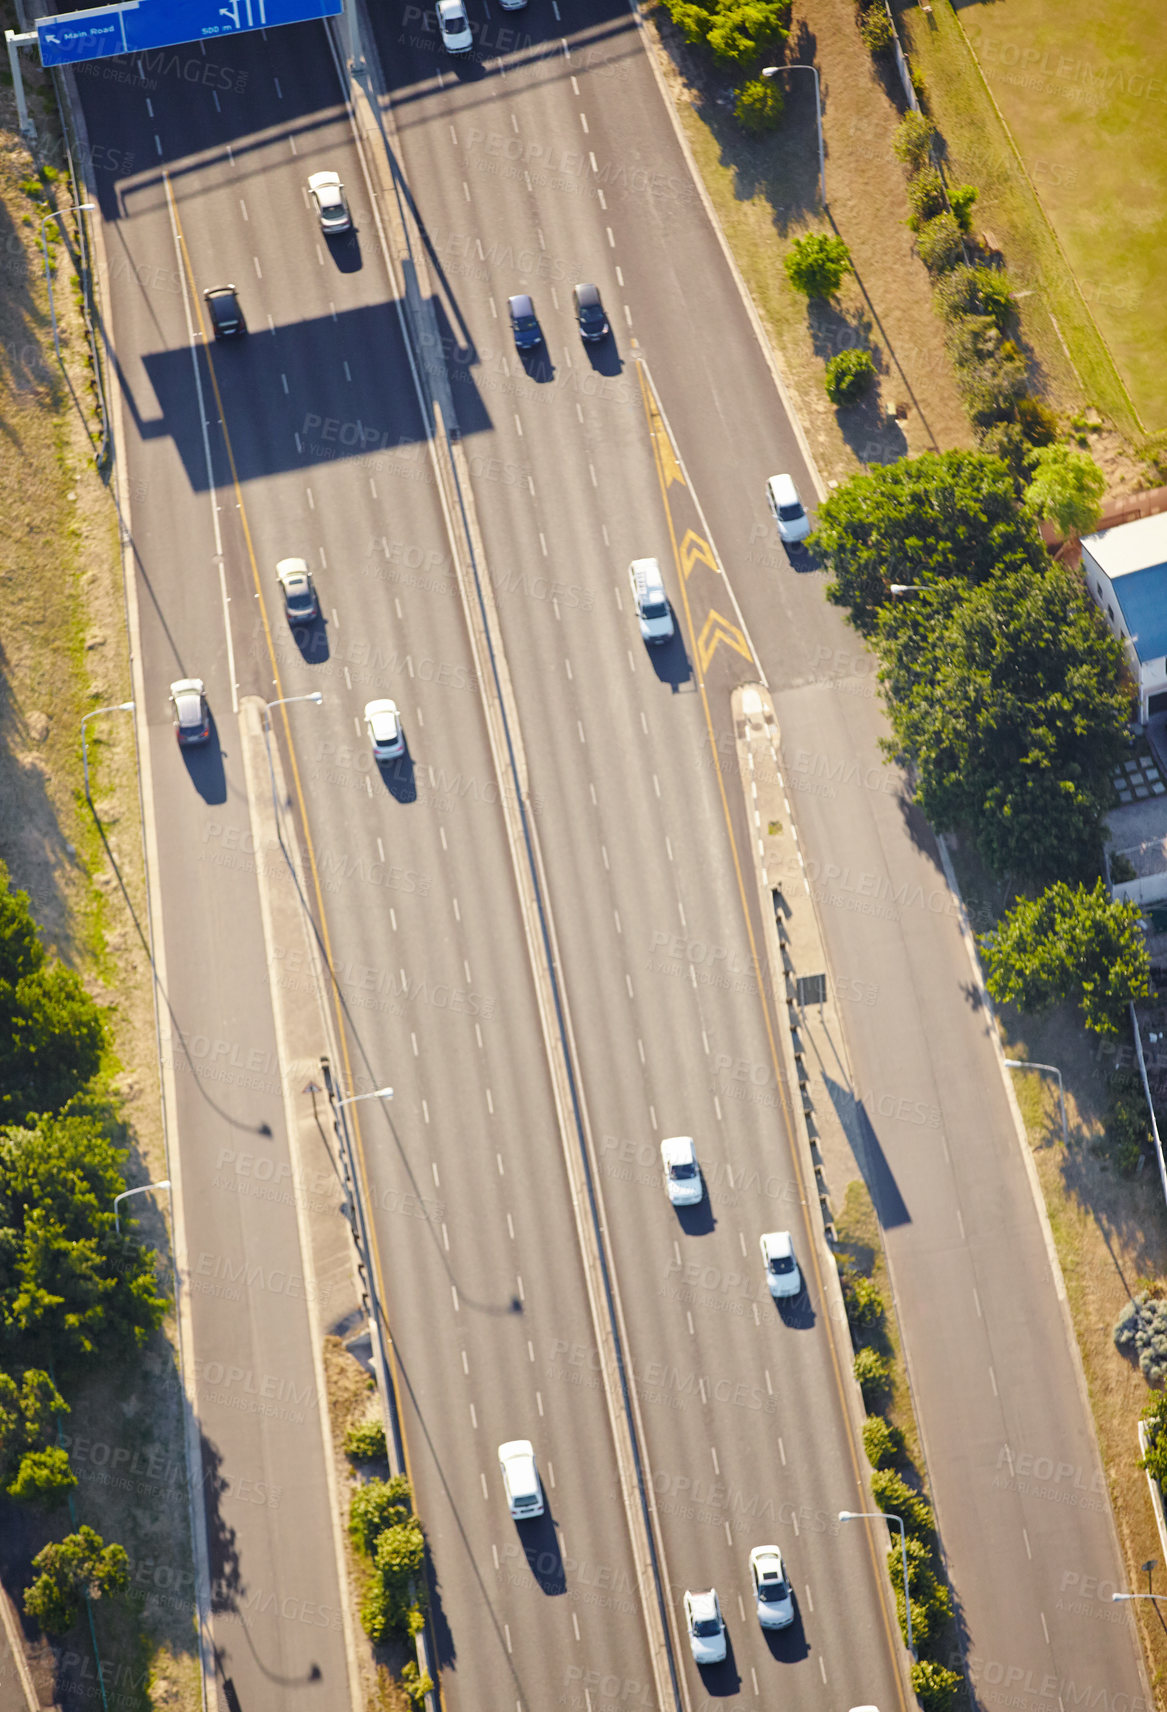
(782, 1274)
(706, 1626)
(295, 580)
(520, 1479)
(773, 1599)
(682, 1172)
(454, 26)
(327, 193)
(383, 723)
(787, 509)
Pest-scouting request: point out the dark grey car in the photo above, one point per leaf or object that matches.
(589, 312)
(226, 316)
(524, 323)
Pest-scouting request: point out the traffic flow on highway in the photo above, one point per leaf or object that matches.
(439, 404)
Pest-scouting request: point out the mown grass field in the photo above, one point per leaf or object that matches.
(1083, 91)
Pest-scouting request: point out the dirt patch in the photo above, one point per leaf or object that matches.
(64, 654)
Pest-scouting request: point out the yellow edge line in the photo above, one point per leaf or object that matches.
(307, 835)
(657, 431)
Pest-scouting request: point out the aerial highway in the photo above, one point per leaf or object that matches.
(547, 160)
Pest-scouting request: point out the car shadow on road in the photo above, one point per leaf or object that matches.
(204, 764)
(722, 1680)
(312, 641)
(698, 1220)
(605, 357)
(670, 662)
(399, 777)
(789, 1644)
(538, 365)
(797, 1312)
(540, 1545)
(346, 252)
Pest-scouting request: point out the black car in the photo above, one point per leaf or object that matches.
(589, 312)
(524, 323)
(222, 302)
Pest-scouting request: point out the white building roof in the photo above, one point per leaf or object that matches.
(1134, 557)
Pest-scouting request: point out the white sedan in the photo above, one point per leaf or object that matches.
(706, 1626)
(327, 193)
(454, 26)
(383, 723)
(682, 1173)
(772, 1596)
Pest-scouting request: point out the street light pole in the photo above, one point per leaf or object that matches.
(73, 208)
(1026, 1064)
(869, 1516)
(280, 701)
(121, 707)
(376, 1094)
(142, 1189)
(773, 71)
(1159, 1598)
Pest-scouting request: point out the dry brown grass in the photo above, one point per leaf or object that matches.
(63, 651)
(766, 194)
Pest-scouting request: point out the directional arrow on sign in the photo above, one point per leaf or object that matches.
(695, 551)
(716, 630)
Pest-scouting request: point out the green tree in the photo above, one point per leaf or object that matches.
(883, 1443)
(873, 1373)
(71, 1285)
(976, 291)
(365, 1442)
(1071, 942)
(941, 515)
(44, 1477)
(817, 263)
(895, 1497)
(51, 1033)
(67, 1571)
(735, 31)
(940, 243)
(962, 198)
(1010, 701)
(1067, 488)
(759, 106)
(28, 1418)
(396, 1595)
(849, 376)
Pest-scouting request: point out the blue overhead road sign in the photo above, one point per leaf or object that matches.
(140, 25)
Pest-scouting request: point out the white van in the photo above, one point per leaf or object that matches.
(652, 603)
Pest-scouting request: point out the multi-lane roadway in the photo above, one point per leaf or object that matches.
(549, 158)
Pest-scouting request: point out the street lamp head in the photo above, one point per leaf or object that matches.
(848, 1516)
(771, 70)
(381, 1094)
(125, 707)
(904, 588)
(316, 696)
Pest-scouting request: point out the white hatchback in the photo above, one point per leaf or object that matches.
(682, 1173)
(383, 723)
(454, 26)
(787, 509)
(520, 1479)
(327, 193)
(782, 1274)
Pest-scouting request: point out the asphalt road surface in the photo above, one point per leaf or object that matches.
(530, 168)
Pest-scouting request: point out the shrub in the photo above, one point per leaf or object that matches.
(926, 195)
(875, 29)
(816, 263)
(961, 199)
(1128, 1125)
(990, 371)
(759, 106)
(376, 1506)
(1155, 1418)
(365, 1442)
(1037, 421)
(913, 140)
(893, 1494)
(862, 1298)
(1005, 440)
(931, 1600)
(43, 1478)
(935, 1686)
(873, 1371)
(883, 1443)
(417, 1687)
(976, 291)
(940, 244)
(1141, 1331)
(849, 376)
